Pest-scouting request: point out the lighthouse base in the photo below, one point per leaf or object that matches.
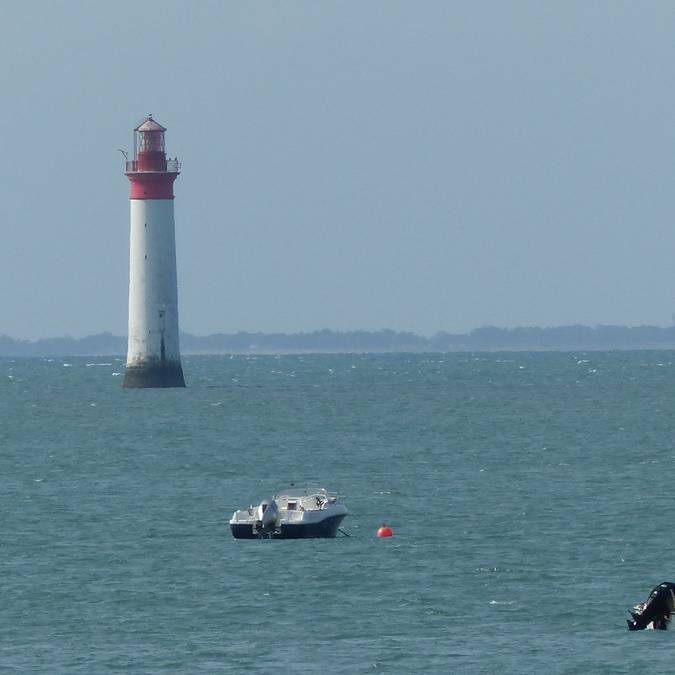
(154, 376)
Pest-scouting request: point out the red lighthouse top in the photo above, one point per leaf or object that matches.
(150, 172)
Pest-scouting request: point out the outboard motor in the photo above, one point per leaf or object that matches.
(267, 516)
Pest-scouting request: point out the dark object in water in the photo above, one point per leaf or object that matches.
(657, 610)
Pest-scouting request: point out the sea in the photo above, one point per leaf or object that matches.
(530, 495)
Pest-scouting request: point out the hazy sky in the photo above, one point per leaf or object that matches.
(419, 166)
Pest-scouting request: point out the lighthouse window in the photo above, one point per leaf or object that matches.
(146, 256)
(151, 141)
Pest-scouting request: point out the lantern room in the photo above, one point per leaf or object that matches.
(149, 154)
(150, 172)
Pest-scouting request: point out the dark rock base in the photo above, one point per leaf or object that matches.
(148, 377)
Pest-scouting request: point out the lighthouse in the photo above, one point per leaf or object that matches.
(153, 355)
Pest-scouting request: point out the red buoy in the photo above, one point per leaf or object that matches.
(385, 531)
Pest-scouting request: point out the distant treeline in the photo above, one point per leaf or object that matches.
(560, 338)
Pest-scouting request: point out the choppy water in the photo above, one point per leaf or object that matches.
(531, 496)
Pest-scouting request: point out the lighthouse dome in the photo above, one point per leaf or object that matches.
(148, 124)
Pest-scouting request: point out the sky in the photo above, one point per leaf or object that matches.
(419, 166)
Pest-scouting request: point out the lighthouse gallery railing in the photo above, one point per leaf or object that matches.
(172, 166)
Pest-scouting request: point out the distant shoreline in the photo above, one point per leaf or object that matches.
(486, 339)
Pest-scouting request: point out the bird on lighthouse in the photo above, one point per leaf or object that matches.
(153, 355)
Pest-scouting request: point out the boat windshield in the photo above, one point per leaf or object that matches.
(294, 492)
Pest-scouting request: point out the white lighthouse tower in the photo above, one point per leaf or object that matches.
(153, 356)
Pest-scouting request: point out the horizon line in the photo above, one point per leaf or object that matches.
(390, 331)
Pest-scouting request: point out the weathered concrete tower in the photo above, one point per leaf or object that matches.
(153, 356)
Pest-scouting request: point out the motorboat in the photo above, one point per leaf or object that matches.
(294, 513)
